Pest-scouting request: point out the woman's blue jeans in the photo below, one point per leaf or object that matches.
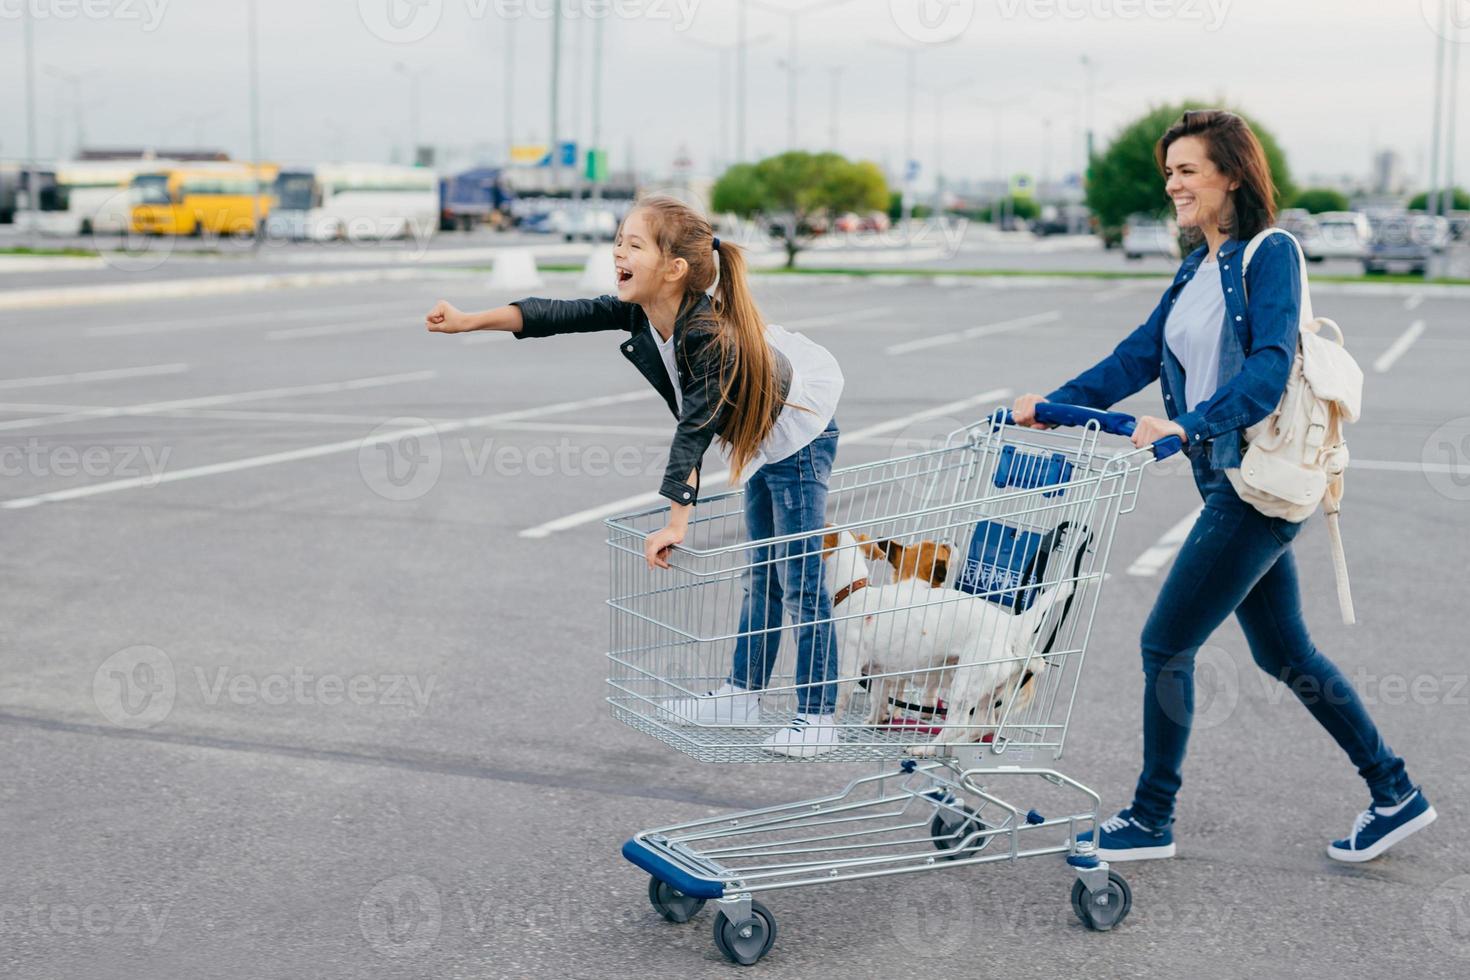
(1238, 560)
(787, 497)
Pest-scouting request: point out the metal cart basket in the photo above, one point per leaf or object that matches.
(959, 587)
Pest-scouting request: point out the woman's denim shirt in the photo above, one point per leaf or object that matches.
(1255, 353)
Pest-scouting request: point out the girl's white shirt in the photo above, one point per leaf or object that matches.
(811, 403)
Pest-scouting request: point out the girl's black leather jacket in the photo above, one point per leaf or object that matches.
(697, 355)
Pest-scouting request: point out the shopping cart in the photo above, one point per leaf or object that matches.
(1017, 525)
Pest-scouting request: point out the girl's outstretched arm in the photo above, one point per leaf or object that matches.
(444, 318)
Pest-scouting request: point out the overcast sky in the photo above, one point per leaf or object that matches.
(1334, 79)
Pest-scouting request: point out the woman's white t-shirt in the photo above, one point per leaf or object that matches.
(1193, 333)
(811, 403)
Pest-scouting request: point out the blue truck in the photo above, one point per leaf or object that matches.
(474, 197)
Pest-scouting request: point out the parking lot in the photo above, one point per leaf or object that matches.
(287, 696)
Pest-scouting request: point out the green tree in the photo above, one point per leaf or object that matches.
(1461, 201)
(1319, 199)
(796, 188)
(1124, 179)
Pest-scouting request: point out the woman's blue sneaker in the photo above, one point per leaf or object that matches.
(1123, 838)
(1380, 827)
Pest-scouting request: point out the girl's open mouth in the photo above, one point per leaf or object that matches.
(624, 275)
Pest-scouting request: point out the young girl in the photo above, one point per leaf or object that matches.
(1221, 343)
(769, 395)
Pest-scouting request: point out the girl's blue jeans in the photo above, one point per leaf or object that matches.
(789, 497)
(1237, 560)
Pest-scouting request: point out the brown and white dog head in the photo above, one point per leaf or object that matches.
(927, 561)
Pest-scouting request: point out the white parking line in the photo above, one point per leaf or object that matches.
(646, 499)
(1158, 556)
(1035, 319)
(837, 319)
(1412, 303)
(403, 323)
(315, 312)
(1396, 350)
(154, 408)
(325, 449)
(81, 377)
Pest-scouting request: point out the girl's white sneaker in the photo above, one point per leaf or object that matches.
(729, 705)
(808, 736)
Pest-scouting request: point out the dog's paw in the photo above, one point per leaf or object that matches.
(921, 751)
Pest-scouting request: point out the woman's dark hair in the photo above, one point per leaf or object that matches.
(1235, 152)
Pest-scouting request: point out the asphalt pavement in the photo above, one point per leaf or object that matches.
(276, 705)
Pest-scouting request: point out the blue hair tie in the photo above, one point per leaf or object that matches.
(717, 244)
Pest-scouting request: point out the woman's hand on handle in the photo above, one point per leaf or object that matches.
(1024, 411)
(444, 318)
(1150, 430)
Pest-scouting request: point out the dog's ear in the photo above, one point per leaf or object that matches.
(894, 552)
(871, 549)
(829, 543)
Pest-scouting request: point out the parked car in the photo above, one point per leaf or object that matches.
(1306, 229)
(1341, 235)
(1146, 235)
(1406, 241)
(876, 221)
(848, 223)
(592, 224)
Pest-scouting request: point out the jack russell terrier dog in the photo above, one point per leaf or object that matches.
(938, 627)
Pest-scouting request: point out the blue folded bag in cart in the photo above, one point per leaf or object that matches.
(1007, 562)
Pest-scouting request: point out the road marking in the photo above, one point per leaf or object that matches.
(40, 407)
(1004, 326)
(1158, 556)
(1396, 350)
(154, 408)
(225, 320)
(318, 451)
(1412, 303)
(837, 319)
(81, 377)
(403, 323)
(645, 499)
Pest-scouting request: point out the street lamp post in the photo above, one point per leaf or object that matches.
(1431, 203)
(30, 168)
(254, 45)
(792, 65)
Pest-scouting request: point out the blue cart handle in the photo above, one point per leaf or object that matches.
(1115, 423)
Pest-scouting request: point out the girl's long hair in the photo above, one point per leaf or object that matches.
(748, 384)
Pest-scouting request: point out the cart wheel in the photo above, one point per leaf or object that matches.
(671, 903)
(748, 942)
(1105, 908)
(949, 834)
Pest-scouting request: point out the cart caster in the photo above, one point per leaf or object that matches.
(671, 903)
(1104, 908)
(748, 942)
(949, 832)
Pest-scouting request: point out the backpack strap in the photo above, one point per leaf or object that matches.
(1254, 245)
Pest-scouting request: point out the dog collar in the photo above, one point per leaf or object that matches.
(848, 590)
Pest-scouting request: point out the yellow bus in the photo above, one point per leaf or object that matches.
(203, 199)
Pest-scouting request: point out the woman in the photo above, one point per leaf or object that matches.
(769, 396)
(1223, 365)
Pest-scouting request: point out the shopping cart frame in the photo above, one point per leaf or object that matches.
(918, 816)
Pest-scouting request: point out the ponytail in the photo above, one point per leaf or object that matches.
(749, 386)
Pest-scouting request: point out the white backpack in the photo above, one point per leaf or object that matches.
(1297, 455)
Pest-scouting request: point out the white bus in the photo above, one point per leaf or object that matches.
(354, 201)
(82, 197)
